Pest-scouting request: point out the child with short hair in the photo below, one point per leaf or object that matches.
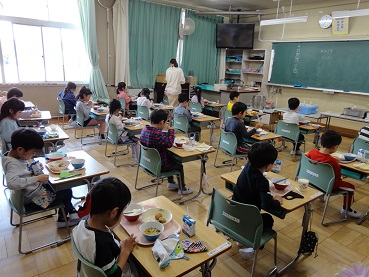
(183, 109)
(11, 110)
(69, 99)
(197, 98)
(330, 141)
(115, 119)
(153, 136)
(253, 188)
(20, 175)
(14, 92)
(144, 100)
(235, 125)
(293, 117)
(84, 105)
(234, 97)
(93, 236)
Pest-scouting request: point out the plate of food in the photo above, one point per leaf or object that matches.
(156, 214)
(58, 166)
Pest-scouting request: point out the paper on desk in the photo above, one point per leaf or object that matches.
(203, 147)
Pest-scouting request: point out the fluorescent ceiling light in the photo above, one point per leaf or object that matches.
(283, 20)
(340, 14)
(231, 13)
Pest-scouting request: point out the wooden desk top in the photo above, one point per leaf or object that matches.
(308, 128)
(45, 115)
(92, 168)
(289, 205)
(205, 118)
(137, 127)
(176, 267)
(28, 104)
(164, 107)
(187, 154)
(215, 105)
(61, 134)
(248, 90)
(268, 136)
(103, 113)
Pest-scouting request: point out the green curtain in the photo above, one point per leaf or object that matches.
(199, 52)
(88, 23)
(153, 40)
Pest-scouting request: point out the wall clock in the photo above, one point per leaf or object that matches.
(325, 21)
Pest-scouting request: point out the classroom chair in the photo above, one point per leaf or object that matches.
(290, 132)
(113, 138)
(16, 202)
(181, 124)
(320, 176)
(62, 111)
(80, 122)
(357, 144)
(84, 267)
(195, 107)
(4, 149)
(228, 145)
(241, 222)
(123, 105)
(150, 162)
(143, 112)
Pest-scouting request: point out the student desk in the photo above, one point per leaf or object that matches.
(44, 116)
(356, 173)
(268, 137)
(99, 115)
(183, 156)
(91, 169)
(136, 129)
(28, 105)
(317, 116)
(289, 205)
(210, 119)
(168, 108)
(206, 260)
(55, 141)
(215, 105)
(330, 114)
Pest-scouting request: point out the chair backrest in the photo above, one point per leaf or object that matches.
(227, 114)
(165, 100)
(122, 103)
(240, 221)
(112, 134)
(4, 146)
(88, 268)
(288, 130)
(195, 107)
(180, 122)
(80, 118)
(61, 106)
(228, 142)
(320, 175)
(149, 160)
(143, 111)
(359, 143)
(15, 200)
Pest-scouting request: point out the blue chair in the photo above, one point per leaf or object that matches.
(181, 124)
(165, 100)
(195, 107)
(321, 176)
(357, 144)
(241, 222)
(123, 104)
(80, 122)
(143, 112)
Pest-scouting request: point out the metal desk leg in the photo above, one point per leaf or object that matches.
(305, 225)
(204, 159)
(364, 217)
(212, 124)
(207, 267)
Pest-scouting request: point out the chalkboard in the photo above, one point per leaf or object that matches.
(337, 65)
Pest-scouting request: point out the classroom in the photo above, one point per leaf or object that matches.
(312, 50)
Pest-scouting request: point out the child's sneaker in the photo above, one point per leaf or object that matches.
(240, 245)
(352, 213)
(299, 152)
(172, 186)
(61, 223)
(247, 253)
(186, 191)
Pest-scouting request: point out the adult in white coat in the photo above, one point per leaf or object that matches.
(175, 78)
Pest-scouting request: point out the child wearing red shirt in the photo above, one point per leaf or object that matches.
(330, 141)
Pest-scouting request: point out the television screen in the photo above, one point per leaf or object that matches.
(236, 36)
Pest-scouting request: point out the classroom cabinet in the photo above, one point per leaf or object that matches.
(233, 66)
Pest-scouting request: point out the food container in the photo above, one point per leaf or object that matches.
(77, 163)
(307, 109)
(55, 156)
(133, 212)
(151, 225)
(157, 215)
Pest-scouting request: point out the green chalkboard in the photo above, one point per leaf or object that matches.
(337, 65)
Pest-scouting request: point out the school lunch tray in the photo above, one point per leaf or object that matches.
(171, 227)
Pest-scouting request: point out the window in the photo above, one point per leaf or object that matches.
(41, 41)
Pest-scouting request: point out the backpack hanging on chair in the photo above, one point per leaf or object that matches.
(309, 241)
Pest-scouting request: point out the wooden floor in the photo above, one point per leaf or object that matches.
(339, 245)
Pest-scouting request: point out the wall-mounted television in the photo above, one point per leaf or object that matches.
(235, 36)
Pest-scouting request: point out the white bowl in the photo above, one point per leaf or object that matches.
(53, 127)
(77, 163)
(150, 214)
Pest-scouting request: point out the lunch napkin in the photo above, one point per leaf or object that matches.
(203, 147)
(168, 249)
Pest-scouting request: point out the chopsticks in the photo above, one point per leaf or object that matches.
(280, 180)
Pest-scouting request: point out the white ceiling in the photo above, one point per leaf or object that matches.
(244, 5)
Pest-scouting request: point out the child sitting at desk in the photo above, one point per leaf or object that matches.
(330, 142)
(84, 105)
(10, 112)
(234, 97)
(253, 188)
(183, 108)
(153, 136)
(69, 99)
(293, 117)
(115, 119)
(197, 98)
(235, 125)
(20, 175)
(93, 236)
(14, 92)
(144, 100)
